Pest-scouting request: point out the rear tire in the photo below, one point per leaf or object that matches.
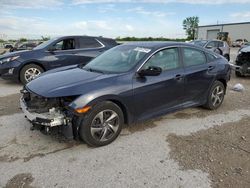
(102, 125)
(215, 96)
(29, 72)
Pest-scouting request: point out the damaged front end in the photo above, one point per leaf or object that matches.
(242, 64)
(48, 114)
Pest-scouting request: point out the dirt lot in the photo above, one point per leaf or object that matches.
(191, 148)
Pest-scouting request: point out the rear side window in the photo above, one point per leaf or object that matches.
(210, 57)
(193, 57)
(167, 59)
(89, 43)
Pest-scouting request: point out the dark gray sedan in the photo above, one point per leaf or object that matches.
(129, 83)
(25, 65)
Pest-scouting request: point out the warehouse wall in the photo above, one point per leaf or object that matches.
(237, 31)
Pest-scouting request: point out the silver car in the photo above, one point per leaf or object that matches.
(218, 46)
(239, 42)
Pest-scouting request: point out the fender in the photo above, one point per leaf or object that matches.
(123, 103)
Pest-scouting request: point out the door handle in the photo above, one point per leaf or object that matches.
(178, 77)
(210, 68)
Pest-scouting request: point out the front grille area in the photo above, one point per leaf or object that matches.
(39, 104)
(243, 58)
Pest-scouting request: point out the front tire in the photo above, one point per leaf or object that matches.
(102, 125)
(215, 96)
(238, 74)
(227, 57)
(30, 72)
(218, 51)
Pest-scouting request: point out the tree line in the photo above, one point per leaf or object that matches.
(127, 39)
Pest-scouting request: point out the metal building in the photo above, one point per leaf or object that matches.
(235, 30)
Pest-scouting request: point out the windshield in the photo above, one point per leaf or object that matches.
(199, 42)
(45, 44)
(117, 60)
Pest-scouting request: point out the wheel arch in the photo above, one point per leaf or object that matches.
(84, 101)
(29, 63)
(123, 108)
(223, 81)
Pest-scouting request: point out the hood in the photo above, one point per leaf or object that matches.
(64, 68)
(11, 54)
(245, 49)
(69, 82)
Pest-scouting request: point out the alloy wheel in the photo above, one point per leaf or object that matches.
(31, 74)
(105, 125)
(217, 96)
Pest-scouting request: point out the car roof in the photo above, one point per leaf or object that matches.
(158, 44)
(208, 40)
(86, 36)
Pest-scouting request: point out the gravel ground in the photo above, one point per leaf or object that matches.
(156, 153)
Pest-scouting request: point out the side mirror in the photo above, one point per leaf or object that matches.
(150, 71)
(209, 47)
(52, 49)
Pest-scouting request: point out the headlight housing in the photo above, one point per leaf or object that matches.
(8, 59)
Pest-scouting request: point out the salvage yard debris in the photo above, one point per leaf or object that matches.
(238, 87)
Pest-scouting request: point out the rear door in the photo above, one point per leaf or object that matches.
(88, 48)
(158, 94)
(198, 74)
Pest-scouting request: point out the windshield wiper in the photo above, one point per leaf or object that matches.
(94, 70)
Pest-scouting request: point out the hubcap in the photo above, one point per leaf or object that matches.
(217, 95)
(31, 74)
(104, 125)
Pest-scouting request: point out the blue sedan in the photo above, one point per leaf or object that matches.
(128, 83)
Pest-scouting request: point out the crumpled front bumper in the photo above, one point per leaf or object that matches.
(47, 119)
(234, 67)
(241, 69)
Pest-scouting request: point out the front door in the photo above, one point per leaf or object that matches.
(62, 53)
(157, 94)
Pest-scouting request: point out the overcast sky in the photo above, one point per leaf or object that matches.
(113, 18)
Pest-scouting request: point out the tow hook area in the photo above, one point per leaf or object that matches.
(65, 130)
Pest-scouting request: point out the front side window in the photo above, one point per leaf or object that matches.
(166, 59)
(212, 44)
(66, 44)
(193, 57)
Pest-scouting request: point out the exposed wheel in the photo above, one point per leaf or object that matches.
(218, 51)
(215, 96)
(238, 74)
(29, 72)
(227, 57)
(102, 125)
